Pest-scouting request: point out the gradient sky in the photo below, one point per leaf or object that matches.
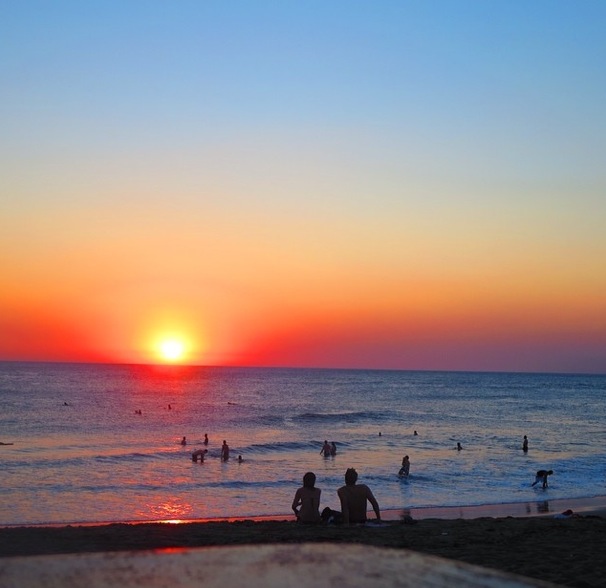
(409, 185)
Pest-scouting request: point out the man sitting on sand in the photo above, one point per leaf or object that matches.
(542, 477)
(353, 499)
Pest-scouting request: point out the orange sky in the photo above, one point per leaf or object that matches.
(429, 198)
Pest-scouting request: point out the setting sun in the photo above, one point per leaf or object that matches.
(172, 350)
(170, 337)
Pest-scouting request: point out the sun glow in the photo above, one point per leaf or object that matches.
(172, 350)
(171, 338)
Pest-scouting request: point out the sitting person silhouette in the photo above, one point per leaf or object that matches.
(353, 499)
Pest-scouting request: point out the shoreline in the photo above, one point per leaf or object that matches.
(563, 550)
(595, 505)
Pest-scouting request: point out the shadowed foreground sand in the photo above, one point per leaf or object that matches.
(563, 551)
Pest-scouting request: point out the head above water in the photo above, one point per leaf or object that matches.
(351, 477)
(309, 480)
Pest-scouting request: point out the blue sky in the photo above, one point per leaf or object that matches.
(422, 146)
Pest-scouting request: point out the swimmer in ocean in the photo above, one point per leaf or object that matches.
(224, 451)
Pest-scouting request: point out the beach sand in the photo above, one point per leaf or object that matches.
(566, 551)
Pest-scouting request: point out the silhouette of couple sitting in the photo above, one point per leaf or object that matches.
(353, 498)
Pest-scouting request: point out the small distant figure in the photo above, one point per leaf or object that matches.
(170, 407)
(138, 411)
(525, 444)
(224, 451)
(459, 446)
(205, 438)
(325, 451)
(333, 449)
(65, 404)
(353, 499)
(240, 460)
(199, 453)
(541, 476)
(405, 469)
(183, 441)
(306, 504)
(415, 433)
(379, 433)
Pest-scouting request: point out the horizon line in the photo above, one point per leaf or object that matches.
(295, 367)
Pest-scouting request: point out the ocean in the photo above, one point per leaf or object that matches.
(98, 443)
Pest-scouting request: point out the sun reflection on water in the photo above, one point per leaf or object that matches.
(172, 510)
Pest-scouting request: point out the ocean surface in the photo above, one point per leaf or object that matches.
(81, 452)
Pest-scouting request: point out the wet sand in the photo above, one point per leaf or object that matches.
(567, 551)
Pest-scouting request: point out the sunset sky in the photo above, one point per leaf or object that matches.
(391, 184)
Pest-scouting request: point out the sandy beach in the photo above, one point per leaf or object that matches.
(566, 551)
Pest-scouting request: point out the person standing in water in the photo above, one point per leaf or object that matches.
(224, 451)
(306, 504)
(525, 444)
(405, 469)
(325, 451)
(199, 453)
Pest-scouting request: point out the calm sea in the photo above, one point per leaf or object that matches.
(81, 452)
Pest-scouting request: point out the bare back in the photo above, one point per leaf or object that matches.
(308, 499)
(353, 503)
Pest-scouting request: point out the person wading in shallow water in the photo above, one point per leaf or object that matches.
(224, 451)
(542, 477)
(353, 499)
(405, 469)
